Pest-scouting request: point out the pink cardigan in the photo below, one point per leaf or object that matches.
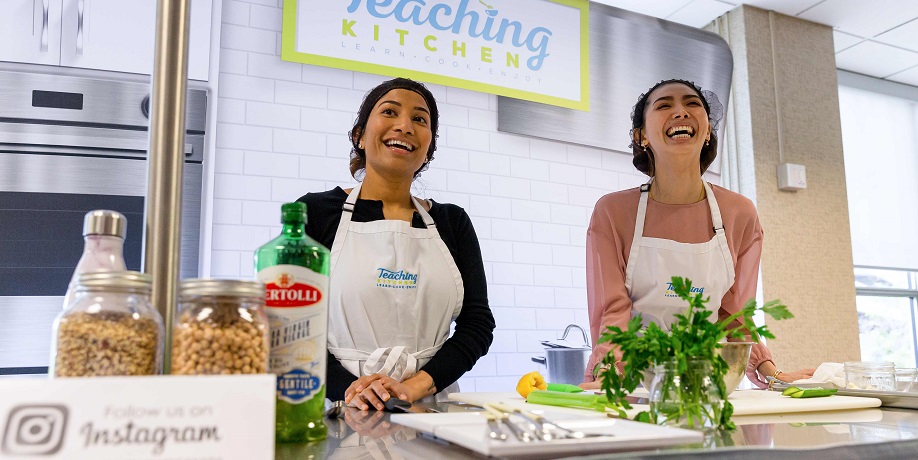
(608, 244)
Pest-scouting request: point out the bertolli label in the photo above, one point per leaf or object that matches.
(297, 308)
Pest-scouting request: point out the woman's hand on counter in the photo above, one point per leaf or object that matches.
(415, 387)
(795, 375)
(369, 392)
(594, 385)
(372, 391)
(767, 369)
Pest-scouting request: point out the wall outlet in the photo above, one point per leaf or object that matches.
(791, 177)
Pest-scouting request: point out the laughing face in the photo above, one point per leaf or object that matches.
(397, 135)
(675, 122)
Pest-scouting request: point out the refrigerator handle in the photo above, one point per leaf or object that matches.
(44, 25)
(79, 35)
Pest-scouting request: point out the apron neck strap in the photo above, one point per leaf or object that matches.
(351, 201)
(716, 219)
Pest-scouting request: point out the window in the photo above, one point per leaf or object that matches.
(886, 312)
(879, 121)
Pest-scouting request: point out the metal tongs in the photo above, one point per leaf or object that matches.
(542, 428)
(496, 417)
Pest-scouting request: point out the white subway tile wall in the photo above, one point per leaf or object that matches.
(282, 132)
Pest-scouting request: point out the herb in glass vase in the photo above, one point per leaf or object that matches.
(699, 400)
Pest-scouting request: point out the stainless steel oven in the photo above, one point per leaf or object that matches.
(69, 145)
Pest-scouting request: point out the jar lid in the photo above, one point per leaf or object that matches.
(222, 287)
(104, 222)
(119, 280)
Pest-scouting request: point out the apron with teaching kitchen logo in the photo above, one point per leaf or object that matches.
(654, 261)
(394, 291)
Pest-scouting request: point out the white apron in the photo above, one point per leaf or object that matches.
(654, 261)
(394, 291)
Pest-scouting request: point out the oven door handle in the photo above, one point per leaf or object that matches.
(51, 142)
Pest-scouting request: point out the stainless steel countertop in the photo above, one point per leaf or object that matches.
(842, 434)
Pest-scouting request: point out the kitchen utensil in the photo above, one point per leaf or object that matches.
(566, 362)
(494, 426)
(504, 417)
(396, 405)
(470, 431)
(736, 354)
(545, 427)
(335, 410)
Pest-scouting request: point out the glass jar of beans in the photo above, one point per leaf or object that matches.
(220, 328)
(109, 328)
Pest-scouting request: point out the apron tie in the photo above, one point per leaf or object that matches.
(395, 361)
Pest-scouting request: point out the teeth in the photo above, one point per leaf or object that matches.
(680, 132)
(398, 143)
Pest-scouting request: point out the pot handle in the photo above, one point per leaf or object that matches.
(567, 330)
(539, 359)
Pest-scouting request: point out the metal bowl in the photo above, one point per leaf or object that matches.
(736, 354)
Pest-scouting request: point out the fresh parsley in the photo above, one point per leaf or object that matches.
(693, 336)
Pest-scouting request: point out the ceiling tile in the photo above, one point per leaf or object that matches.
(862, 18)
(875, 59)
(909, 77)
(700, 12)
(655, 8)
(904, 36)
(788, 7)
(844, 41)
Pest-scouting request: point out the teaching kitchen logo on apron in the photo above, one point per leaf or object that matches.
(670, 292)
(396, 279)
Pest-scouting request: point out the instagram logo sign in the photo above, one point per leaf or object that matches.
(34, 430)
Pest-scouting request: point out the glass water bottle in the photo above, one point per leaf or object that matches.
(103, 251)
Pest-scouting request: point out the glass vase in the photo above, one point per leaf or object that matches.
(685, 399)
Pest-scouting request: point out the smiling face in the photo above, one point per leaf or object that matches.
(675, 122)
(398, 134)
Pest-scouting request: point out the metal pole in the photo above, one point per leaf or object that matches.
(164, 168)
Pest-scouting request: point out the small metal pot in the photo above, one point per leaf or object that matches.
(565, 364)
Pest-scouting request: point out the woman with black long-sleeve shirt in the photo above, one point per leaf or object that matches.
(403, 270)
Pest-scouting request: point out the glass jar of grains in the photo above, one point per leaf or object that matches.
(220, 328)
(109, 328)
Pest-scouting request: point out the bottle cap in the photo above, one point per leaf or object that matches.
(104, 222)
(293, 212)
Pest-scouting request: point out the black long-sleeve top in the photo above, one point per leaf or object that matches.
(474, 330)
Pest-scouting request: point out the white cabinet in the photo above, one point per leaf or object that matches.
(113, 35)
(30, 31)
(119, 35)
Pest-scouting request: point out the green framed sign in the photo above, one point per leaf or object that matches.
(534, 50)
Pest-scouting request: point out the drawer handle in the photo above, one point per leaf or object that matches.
(44, 26)
(79, 37)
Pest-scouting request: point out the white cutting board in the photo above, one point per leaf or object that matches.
(756, 402)
(745, 402)
(469, 430)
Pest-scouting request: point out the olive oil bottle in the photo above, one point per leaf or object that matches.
(294, 269)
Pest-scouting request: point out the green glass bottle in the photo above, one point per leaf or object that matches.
(294, 269)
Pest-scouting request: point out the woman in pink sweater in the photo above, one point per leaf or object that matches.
(675, 225)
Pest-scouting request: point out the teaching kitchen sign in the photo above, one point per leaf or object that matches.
(536, 50)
